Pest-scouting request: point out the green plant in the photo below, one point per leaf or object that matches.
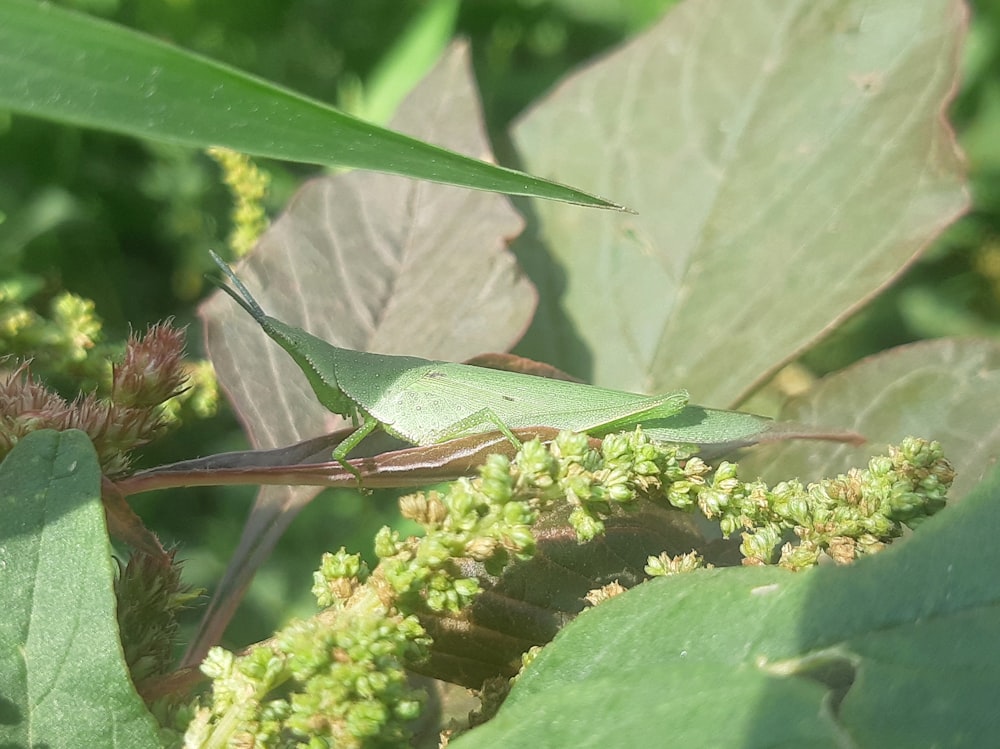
(808, 165)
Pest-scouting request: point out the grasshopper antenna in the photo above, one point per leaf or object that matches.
(244, 298)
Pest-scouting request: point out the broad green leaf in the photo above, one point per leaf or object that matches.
(63, 679)
(71, 68)
(787, 159)
(371, 263)
(897, 650)
(944, 390)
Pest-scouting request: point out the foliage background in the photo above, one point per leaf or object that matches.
(127, 224)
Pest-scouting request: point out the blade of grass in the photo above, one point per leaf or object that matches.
(64, 66)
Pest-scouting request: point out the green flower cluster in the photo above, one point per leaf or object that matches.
(336, 680)
(479, 520)
(844, 517)
(62, 344)
(489, 519)
(664, 565)
(628, 466)
(248, 185)
(338, 576)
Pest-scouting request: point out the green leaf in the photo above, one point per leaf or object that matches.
(787, 159)
(63, 679)
(71, 68)
(897, 650)
(932, 389)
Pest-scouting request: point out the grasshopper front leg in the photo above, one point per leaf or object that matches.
(368, 425)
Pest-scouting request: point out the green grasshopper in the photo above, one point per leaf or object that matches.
(426, 402)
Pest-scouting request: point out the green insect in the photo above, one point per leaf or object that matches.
(427, 402)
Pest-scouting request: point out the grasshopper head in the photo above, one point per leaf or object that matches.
(244, 298)
(314, 356)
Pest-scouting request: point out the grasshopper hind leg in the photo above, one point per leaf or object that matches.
(463, 427)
